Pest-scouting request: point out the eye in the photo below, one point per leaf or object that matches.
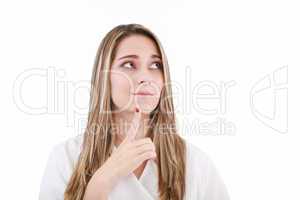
(156, 65)
(127, 65)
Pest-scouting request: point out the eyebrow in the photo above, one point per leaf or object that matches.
(136, 56)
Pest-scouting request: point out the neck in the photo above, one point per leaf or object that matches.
(122, 123)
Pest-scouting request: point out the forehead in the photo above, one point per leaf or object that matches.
(136, 44)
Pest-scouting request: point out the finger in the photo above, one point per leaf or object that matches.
(145, 156)
(143, 148)
(142, 141)
(135, 123)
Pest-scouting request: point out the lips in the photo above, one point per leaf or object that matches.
(144, 93)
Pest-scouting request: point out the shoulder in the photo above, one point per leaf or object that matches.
(202, 176)
(69, 146)
(196, 156)
(66, 152)
(198, 164)
(60, 165)
(62, 160)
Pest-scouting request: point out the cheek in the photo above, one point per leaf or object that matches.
(120, 89)
(159, 83)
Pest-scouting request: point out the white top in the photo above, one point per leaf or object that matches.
(203, 181)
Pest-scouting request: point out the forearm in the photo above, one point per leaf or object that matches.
(96, 191)
(99, 187)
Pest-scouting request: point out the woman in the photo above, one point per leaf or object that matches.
(131, 148)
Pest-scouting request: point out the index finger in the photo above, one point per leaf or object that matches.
(135, 123)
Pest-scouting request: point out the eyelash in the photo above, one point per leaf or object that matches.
(122, 65)
(159, 67)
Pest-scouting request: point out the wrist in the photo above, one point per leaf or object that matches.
(97, 189)
(105, 180)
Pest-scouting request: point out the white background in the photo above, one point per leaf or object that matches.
(247, 43)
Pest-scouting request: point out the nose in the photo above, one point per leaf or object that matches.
(144, 77)
(146, 82)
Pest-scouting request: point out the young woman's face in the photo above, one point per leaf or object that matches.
(136, 68)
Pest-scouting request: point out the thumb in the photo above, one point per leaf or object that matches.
(135, 123)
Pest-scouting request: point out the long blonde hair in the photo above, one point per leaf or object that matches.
(98, 141)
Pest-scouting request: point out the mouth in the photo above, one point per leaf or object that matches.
(143, 94)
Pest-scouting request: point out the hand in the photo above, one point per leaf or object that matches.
(126, 158)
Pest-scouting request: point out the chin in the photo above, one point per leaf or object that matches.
(146, 109)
